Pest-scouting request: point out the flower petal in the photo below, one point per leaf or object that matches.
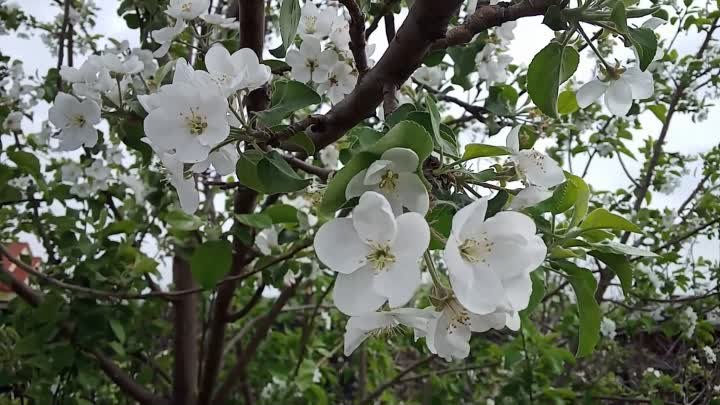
(475, 210)
(373, 219)
(483, 323)
(412, 193)
(518, 291)
(403, 159)
(512, 142)
(356, 186)
(338, 246)
(399, 282)
(412, 237)
(618, 97)
(354, 293)
(641, 83)
(376, 171)
(589, 92)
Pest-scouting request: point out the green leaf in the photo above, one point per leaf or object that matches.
(603, 219)
(440, 220)
(288, 97)
(434, 120)
(276, 175)
(621, 249)
(645, 43)
(502, 99)
(118, 330)
(289, 20)
(553, 65)
(400, 114)
(302, 140)
(582, 198)
(246, 169)
(182, 221)
(619, 17)
(478, 150)
(26, 161)
(563, 198)
(282, 214)
(405, 134)
(211, 262)
(259, 221)
(538, 290)
(620, 265)
(659, 110)
(554, 18)
(567, 102)
(584, 285)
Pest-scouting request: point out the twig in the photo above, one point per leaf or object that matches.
(395, 380)
(357, 36)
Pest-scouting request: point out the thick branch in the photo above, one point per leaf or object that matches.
(252, 35)
(185, 327)
(426, 22)
(357, 36)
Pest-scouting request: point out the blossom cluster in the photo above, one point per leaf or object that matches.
(377, 254)
(323, 58)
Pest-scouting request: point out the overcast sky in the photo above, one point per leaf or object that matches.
(685, 136)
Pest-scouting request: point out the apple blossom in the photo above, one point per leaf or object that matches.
(620, 88)
(150, 65)
(449, 331)
(187, 9)
(360, 327)
(218, 19)
(240, 71)
(267, 240)
(310, 62)
(492, 63)
(375, 253)
(183, 183)
(429, 76)
(536, 168)
(529, 196)
(330, 156)
(394, 176)
(12, 121)
(121, 64)
(21, 182)
(222, 159)
(489, 261)
(188, 121)
(316, 23)
(341, 81)
(76, 121)
(91, 80)
(165, 36)
(505, 31)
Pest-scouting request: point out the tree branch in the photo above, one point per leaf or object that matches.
(368, 399)
(185, 327)
(357, 36)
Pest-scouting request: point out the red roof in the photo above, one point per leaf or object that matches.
(16, 249)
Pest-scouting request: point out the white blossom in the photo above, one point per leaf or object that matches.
(188, 122)
(709, 354)
(121, 64)
(360, 327)
(536, 168)
(341, 81)
(222, 159)
(183, 183)
(12, 121)
(505, 31)
(489, 261)
(187, 9)
(316, 23)
(375, 253)
(492, 63)
(394, 176)
(20, 182)
(310, 62)
(76, 121)
(165, 36)
(267, 241)
(429, 76)
(330, 156)
(607, 328)
(620, 88)
(530, 196)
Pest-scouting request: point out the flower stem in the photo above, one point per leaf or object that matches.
(592, 46)
(433, 271)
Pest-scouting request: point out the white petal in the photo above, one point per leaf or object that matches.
(338, 246)
(412, 237)
(403, 159)
(189, 197)
(641, 83)
(512, 321)
(376, 171)
(354, 293)
(539, 169)
(399, 282)
(217, 60)
(483, 323)
(512, 142)
(357, 328)
(589, 92)
(460, 271)
(618, 97)
(475, 210)
(518, 291)
(530, 196)
(356, 186)
(412, 193)
(373, 219)
(483, 295)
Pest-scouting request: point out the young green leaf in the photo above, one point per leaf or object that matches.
(603, 219)
(620, 265)
(553, 65)
(288, 97)
(645, 43)
(211, 262)
(478, 150)
(584, 285)
(619, 17)
(289, 20)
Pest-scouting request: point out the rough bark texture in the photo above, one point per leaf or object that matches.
(185, 345)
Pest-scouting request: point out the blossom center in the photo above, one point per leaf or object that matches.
(380, 257)
(388, 181)
(196, 123)
(186, 7)
(458, 316)
(474, 250)
(78, 120)
(310, 23)
(537, 160)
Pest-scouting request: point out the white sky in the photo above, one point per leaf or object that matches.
(531, 36)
